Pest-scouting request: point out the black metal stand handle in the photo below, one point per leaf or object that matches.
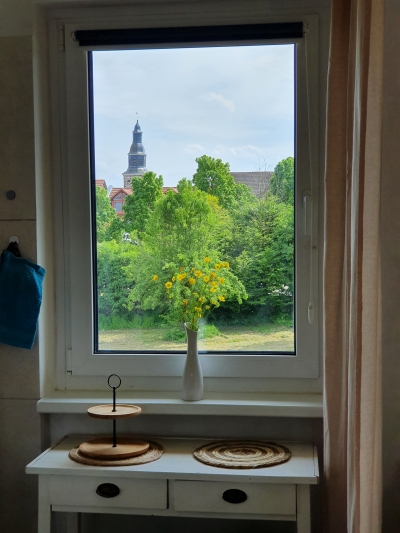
(113, 387)
(107, 490)
(234, 496)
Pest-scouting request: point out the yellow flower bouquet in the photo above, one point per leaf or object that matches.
(194, 289)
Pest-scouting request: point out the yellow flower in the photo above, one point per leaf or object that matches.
(181, 268)
(173, 278)
(184, 302)
(207, 259)
(214, 302)
(170, 295)
(214, 283)
(213, 289)
(207, 307)
(168, 284)
(221, 298)
(199, 315)
(198, 273)
(192, 281)
(221, 280)
(201, 300)
(212, 275)
(155, 278)
(195, 294)
(206, 279)
(197, 308)
(226, 264)
(217, 266)
(181, 276)
(192, 270)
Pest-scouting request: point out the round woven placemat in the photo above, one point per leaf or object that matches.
(154, 452)
(242, 454)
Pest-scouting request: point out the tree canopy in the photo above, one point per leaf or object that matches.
(108, 224)
(146, 190)
(213, 177)
(209, 217)
(282, 181)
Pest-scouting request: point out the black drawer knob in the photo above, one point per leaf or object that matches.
(234, 496)
(107, 490)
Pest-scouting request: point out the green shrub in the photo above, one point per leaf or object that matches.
(208, 331)
(175, 334)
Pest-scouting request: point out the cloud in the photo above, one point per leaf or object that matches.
(191, 148)
(247, 150)
(216, 97)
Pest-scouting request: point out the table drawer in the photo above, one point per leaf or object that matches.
(260, 498)
(133, 493)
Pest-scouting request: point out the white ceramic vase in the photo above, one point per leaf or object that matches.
(192, 384)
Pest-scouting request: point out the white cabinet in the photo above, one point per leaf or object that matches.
(176, 485)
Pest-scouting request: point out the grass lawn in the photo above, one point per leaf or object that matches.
(247, 338)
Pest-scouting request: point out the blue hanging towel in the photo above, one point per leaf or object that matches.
(20, 299)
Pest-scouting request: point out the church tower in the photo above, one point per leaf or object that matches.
(136, 157)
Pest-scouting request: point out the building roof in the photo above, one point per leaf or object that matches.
(117, 190)
(258, 181)
(128, 191)
(101, 183)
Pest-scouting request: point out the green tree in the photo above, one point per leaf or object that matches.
(108, 223)
(183, 227)
(263, 255)
(282, 181)
(113, 282)
(146, 190)
(213, 177)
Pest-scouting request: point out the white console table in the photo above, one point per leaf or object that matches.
(176, 485)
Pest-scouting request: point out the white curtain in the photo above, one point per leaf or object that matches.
(352, 306)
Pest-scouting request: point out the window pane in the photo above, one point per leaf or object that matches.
(202, 140)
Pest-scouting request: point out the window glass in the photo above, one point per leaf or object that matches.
(205, 137)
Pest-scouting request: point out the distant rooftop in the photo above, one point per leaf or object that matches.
(101, 183)
(258, 181)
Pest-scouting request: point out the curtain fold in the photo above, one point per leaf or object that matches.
(352, 308)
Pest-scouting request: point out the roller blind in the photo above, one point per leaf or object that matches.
(198, 34)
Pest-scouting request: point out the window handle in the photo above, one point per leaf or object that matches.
(307, 204)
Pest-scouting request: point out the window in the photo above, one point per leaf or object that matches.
(87, 354)
(206, 113)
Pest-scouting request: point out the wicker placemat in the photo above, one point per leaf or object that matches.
(154, 452)
(242, 454)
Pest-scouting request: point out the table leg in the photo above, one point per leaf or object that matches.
(303, 509)
(44, 509)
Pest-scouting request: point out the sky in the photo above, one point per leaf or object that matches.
(232, 103)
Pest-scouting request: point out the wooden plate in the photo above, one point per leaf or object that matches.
(122, 411)
(102, 448)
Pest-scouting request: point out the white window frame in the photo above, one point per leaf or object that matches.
(77, 366)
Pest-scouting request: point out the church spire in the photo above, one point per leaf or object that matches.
(136, 157)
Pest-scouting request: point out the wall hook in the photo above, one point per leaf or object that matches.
(10, 195)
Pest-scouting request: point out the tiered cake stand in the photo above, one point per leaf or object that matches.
(114, 448)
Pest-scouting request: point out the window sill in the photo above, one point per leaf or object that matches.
(169, 403)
